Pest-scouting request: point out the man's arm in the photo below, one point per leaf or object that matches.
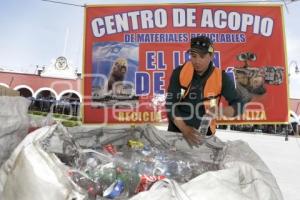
(173, 97)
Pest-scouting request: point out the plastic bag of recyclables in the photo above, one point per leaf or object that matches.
(14, 124)
(132, 163)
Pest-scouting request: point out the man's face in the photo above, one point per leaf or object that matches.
(200, 61)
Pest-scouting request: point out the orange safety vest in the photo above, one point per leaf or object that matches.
(212, 88)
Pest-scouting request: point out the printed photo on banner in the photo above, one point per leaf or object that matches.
(251, 79)
(114, 67)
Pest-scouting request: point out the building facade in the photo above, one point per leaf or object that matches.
(58, 84)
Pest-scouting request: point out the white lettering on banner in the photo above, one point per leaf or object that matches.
(134, 19)
(129, 21)
(147, 15)
(234, 17)
(266, 26)
(182, 17)
(220, 19)
(122, 24)
(97, 26)
(236, 21)
(161, 18)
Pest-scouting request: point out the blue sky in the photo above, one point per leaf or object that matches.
(35, 32)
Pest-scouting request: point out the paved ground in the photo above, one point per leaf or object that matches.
(282, 157)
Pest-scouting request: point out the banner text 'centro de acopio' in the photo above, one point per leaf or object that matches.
(131, 51)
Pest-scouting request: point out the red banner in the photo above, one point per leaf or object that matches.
(131, 51)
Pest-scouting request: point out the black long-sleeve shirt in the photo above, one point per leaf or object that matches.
(189, 107)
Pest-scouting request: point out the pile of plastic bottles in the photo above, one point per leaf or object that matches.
(112, 174)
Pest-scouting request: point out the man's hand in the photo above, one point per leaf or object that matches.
(192, 136)
(213, 112)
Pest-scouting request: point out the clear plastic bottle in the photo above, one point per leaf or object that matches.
(204, 125)
(93, 188)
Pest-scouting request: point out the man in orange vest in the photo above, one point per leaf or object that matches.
(194, 91)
